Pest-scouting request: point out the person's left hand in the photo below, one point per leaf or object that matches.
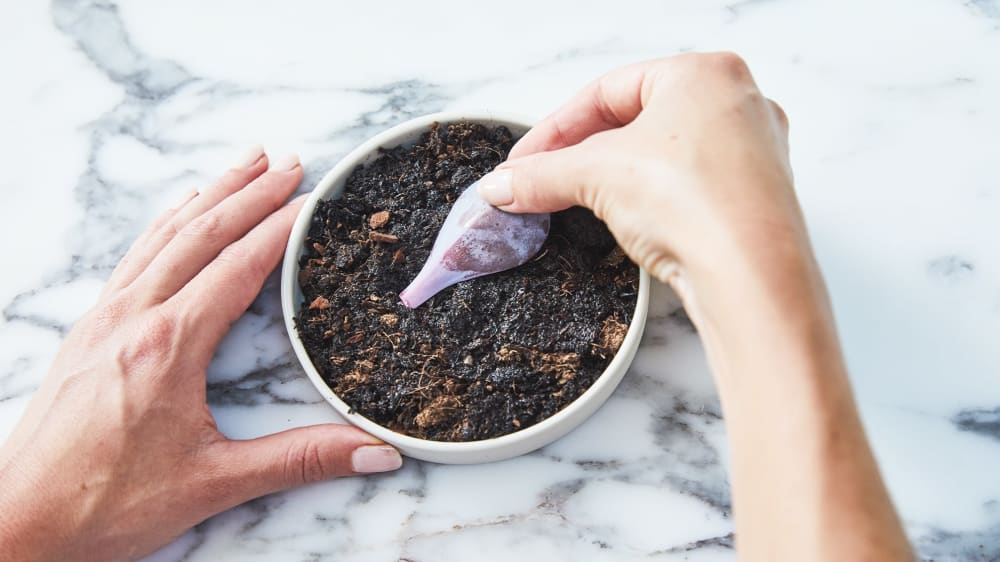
(118, 452)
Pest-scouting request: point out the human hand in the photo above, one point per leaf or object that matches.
(683, 158)
(687, 163)
(118, 452)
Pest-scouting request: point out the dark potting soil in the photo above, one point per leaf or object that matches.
(483, 358)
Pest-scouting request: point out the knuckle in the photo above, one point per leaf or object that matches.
(206, 227)
(236, 253)
(559, 132)
(165, 220)
(160, 328)
(165, 229)
(169, 230)
(661, 265)
(239, 257)
(304, 464)
(603, 107)
(526, 185)
(730, 63)
(124, 263)
(780, 113)
(160, 223)
(153, 342)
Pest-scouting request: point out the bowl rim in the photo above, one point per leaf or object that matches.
(289, 278)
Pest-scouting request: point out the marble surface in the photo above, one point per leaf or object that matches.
(109, 110)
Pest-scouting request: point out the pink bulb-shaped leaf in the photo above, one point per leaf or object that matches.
(476, 239)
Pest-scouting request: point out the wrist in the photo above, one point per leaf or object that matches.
(760, 271)
(31, 528)
(766, 306)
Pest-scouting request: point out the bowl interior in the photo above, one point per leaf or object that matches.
(519, 442)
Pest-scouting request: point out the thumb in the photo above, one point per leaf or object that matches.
(268, 464)
(542, 182)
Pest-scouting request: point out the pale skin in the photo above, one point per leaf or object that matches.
(685, 160)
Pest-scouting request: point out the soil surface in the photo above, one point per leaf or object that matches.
(482, 358)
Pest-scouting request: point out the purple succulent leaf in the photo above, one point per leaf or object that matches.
(476, 239)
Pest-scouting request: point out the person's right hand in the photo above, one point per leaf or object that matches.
(683, 158)
(687, 163)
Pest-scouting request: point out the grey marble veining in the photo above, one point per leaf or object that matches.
(112, 109)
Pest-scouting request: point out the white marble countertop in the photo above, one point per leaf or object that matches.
(109, 110)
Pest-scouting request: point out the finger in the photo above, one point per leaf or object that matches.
(779, 115)
(611, 101)
(223, 291)
(198, 243)
(160, 233)
(131, 263)
(543, 182)
(253, 468)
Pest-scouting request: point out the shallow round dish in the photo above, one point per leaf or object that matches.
(487, 450)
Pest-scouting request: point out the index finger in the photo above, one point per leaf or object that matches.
(611, 101)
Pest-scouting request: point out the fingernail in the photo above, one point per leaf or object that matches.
(375, 458)
(285, 163)
(251, 156)
(495, 187)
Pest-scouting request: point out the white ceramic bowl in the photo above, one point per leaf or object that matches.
(468, 452)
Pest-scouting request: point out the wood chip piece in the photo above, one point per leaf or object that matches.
(382, 237)
(506, 354)
(398, 257)
(319, 303)
(612, 334)
(437, 411)
(379, 219)
(390, 320)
